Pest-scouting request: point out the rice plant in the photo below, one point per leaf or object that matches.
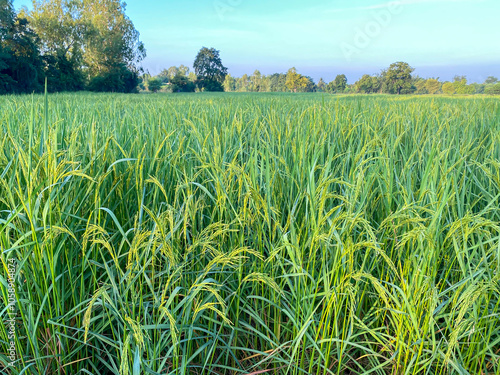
(249, 234)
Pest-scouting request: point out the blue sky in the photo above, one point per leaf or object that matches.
(440, 38)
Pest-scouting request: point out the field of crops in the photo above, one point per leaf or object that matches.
(249, 234)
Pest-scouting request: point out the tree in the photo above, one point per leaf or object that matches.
(292, 79)
(181, 83)
(229, 83)
(448, 88)
(277, 82)
(63, 74)
(419, 84)
(21, 66)
(368, 85)
(309, 85)
(493, 89)
(321, 85)
(112, 48)
(458, 78)
(7, 19)
(491, 80)
(167, 74)
(478, 88)
(119, 78)
(243, 83)
(94, 37)
(61, 30)
(154, 84)
(433, 86)
(192, 77)
(296, 82)
(398, 77)
(209, 69)
(461, 87)
(256, 81)
(265, 84)
(340, 83)
(59, 25)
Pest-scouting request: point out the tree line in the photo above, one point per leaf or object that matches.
(74, 44)
(398, 79)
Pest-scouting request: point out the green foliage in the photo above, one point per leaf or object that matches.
(209, 69)
(461, 87)
(321, 86)
(491, 80)
(420, 85)
(229, 83)
(448, 88)
(154, 84)
(115, 79)
(21, 64)
(398, 78)
(277, 82)
(167, 74)
(111, 39)
(234, 234)
(368, 84)
(63, 74)
(181, 83)
(433, 86)
(338, 85)
(478, 88)
(296, 82)
(95, 37)
(493, 89)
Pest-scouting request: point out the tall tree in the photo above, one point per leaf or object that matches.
(256, 81)
(448, 88)
(321, 85)
(91, 36)
(340, 83)
(296, 82)
(493, 89)
(243, 83)
(209, 69)
(433, 86)
(277, 82)
(58, 23)
(112, 46)
(229, 83)
(154, 84)
(398, 77)
(461, 86)
(21, 65)
(293, 80)
(60, 29)
(368, 84)
(7, 19)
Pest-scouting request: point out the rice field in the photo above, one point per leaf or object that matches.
(249, 234)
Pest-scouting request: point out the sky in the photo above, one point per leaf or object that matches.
(439, 38)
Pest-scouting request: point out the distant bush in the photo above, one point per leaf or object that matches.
(154, 84)
(448, 88)
(492, 89)
(181, 83)
(117, 79)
